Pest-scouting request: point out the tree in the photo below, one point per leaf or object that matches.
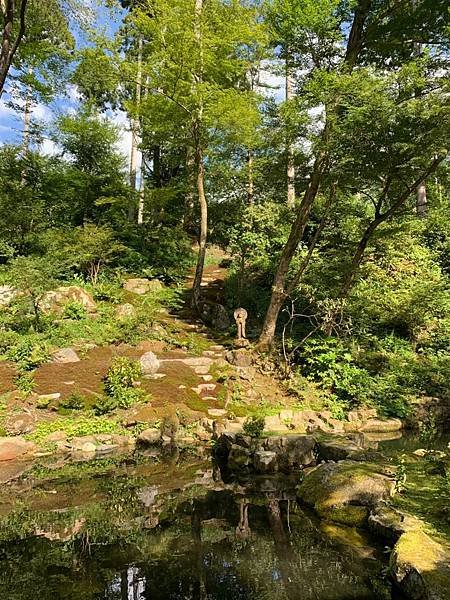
(14, 25)
(334, 87)
(89, 141)
(191, 69)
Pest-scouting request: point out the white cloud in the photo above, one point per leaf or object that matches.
(49, 147)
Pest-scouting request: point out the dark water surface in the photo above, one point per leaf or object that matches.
(152, 529)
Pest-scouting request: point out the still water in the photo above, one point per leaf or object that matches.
(170, 528)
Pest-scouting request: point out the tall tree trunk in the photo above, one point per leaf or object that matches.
(421, 200)
(134, 123)
(9, 46)
(141, 204)
(290, 164)
(199, 167)
(189, 198)
(278, 296)
(200, 171)
(278, 287)
(250, 182)
(27, 118)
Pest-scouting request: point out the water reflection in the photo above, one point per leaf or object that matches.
(175, 531)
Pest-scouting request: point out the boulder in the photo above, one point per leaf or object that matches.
(142, 285)
(83, 444)
(382, 425)
(389, 524)
(219, 318)
(149, 437)
(15, 448)
(149, 363)
(343, 448)
(55, 301)
(65, 355)
(265, 461)
(125, 311)
(420, 567)
(345, 492)
(239, 458)
(239, 358)
(7, 294)
(296, 452)
(19, 423)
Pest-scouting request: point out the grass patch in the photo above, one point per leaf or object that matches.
(76, 427)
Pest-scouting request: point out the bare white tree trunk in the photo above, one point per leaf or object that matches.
(421, 200)
(134, 124)
(199, 167)
(27, 117)
(290, 164)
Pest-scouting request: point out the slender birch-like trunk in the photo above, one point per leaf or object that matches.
(290, 163)
(134, 124)
(199, 166)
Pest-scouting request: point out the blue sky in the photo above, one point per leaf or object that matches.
(11, 123)
(107, 22)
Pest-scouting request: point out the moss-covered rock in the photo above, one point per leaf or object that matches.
(421, 567)
(345, 492)
(343, 448)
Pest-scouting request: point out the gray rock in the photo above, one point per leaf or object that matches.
(7, 294)
(239, 358)
(219, 318)
(343, 448)
(239, 458)
(54, 301)
(18, 424)
(149, 437)
(65, 355)
(382, 425)
(420, 567)
(345, 492)
(125, 311)
(389, 524)
(297, 452)
(265, 461)
(142, 285)
(149, 363)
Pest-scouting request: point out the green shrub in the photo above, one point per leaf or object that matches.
(254, 426)
(74, 401)
(25, 382)
(104, 405)
(121, 375)
(28, 353)
(75, 311)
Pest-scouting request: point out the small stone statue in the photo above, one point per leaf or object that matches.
(240, 316)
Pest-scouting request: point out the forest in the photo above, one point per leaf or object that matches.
(307, 139)
(166, 162)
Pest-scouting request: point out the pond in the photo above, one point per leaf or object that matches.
(152, 528)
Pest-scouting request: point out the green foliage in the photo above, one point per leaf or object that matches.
(28, 353)
(82, 250)
(118, 385)
(75, 401)
(254, 426)
(122, 373)
(75, 427)
(74, 310)
(25, 382)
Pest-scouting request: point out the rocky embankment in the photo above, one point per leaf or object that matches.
(344, 479)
